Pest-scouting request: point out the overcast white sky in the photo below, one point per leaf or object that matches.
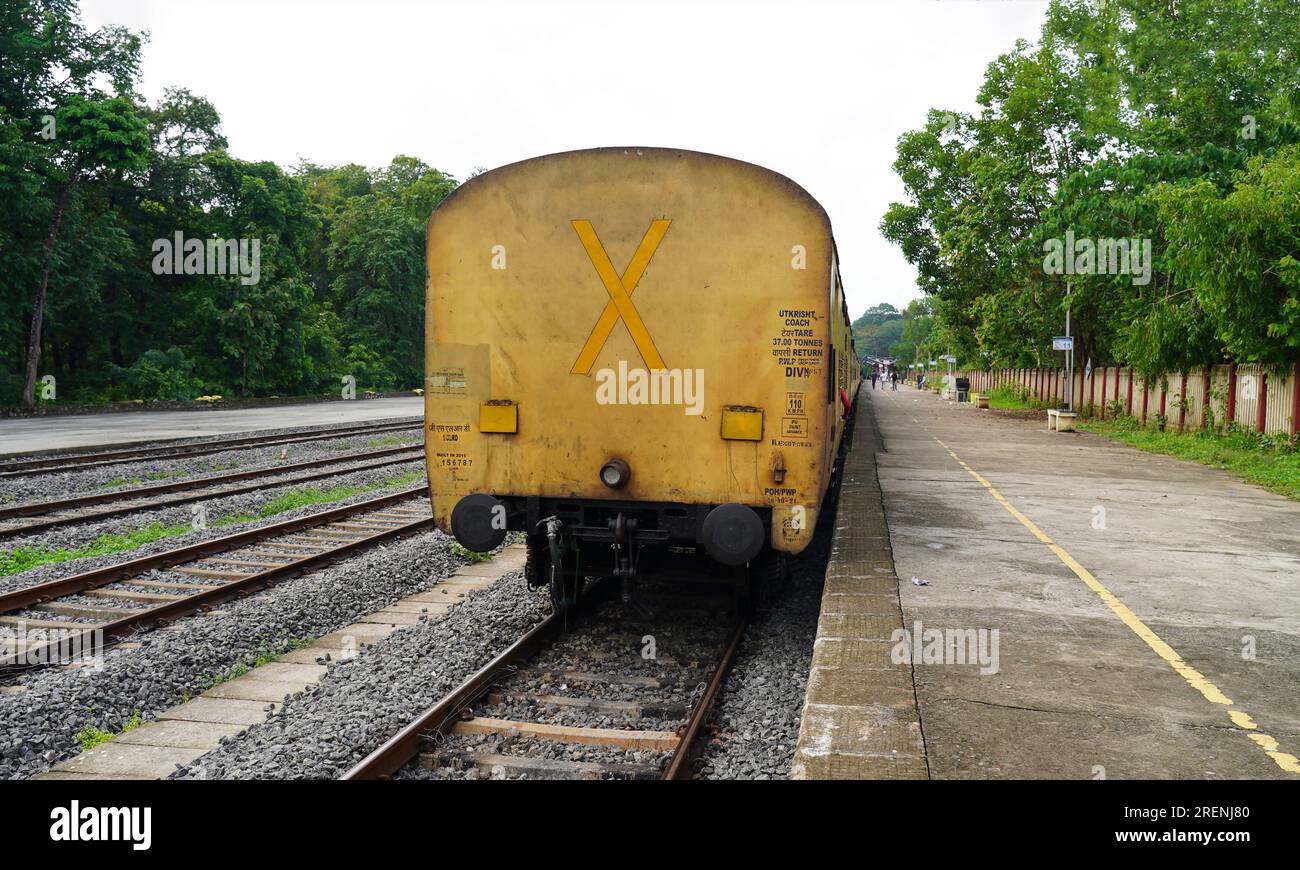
(818, 90)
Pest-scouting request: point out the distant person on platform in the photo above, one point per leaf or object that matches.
(874, 374)
(893, 380)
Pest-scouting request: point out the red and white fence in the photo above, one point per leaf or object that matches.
(1245, 394)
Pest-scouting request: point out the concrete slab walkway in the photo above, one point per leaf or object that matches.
(1147, 610)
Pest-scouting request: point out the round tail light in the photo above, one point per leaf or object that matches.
(615, 474)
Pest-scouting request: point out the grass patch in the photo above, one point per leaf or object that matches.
(121, 481)
(1012, 397)
(458, 550)
(297, 498)
(91, 736)
(1270, 462)
(390, 441)
(21, 559)
(153, 476)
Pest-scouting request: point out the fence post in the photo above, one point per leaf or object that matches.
(1205, 395)
(1182, 402)
(1261, 407)
(1128, 401)
(1232, 394)
(1295, 401)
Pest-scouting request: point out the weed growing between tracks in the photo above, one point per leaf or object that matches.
(21, 559)
(91, 736)
(267, 652)
(458, 550)
(1271, 462)
(155, 476)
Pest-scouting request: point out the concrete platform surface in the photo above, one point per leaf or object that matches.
(96, 430)
(1146, 610)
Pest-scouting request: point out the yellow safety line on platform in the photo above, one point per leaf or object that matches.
(1194, 678)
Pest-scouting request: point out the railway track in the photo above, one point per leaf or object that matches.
(81, 461)
(56, 513)
(80, 612)
(519, 680)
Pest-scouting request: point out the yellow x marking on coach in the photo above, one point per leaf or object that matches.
(620, 289)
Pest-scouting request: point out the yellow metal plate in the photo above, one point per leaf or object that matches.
(498, 417)
(742, 424)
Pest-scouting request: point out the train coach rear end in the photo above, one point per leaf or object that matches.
(639, 357)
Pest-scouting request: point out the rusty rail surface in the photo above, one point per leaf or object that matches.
(679, 766)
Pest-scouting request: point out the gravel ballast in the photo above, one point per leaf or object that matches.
(759, 708)
(361, 702)
(38, 724)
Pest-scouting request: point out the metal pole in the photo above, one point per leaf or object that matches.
(1069, 358)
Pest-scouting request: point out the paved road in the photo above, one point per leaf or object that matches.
(51, 433)
(1148, 610)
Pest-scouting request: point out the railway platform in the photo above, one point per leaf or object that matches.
(859, 718)
(31, 434)
(1080, 609)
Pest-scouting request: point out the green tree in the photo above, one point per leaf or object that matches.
(1126, 120)
(93, 136)
(1239, 253)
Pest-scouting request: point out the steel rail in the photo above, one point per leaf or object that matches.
(147, 618)
(41, 592)
(679, 767)
(36, 508)
(80, 461)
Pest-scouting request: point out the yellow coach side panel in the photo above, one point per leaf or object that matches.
(555, 281)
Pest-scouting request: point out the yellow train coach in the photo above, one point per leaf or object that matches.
(639, 357)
